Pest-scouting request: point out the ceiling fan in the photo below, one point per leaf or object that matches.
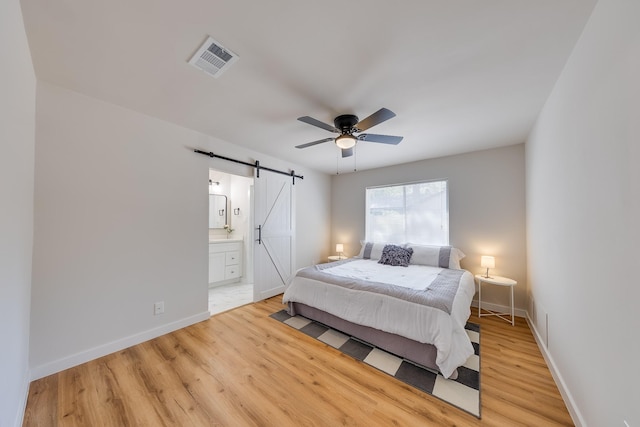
(347, 125)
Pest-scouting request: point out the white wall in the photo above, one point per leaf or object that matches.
(313, 217)
(17, 122)
(583, 189)
(121, 222)
(486, 209)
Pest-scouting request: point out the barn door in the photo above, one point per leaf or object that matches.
(274, 233)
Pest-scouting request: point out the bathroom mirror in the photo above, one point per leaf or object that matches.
(218, 215)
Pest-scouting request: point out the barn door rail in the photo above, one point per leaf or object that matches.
(256, 165)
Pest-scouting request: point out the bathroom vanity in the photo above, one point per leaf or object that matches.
(225, 261)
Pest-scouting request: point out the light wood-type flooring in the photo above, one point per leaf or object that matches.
(242, 368)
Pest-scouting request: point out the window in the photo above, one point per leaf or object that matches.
(416, 213)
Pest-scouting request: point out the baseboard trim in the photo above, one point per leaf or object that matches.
(500, 308)
(102, 350)
(576, 416)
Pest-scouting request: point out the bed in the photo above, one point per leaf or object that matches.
(410, 300)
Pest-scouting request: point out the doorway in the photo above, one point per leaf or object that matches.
(230, 241)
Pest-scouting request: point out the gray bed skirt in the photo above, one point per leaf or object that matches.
(413, 351)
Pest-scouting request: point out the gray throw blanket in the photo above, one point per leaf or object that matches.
(439, 294)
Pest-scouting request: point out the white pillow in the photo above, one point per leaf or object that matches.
(436, 256)
(370, 250)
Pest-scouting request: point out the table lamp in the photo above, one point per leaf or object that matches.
(487, 262)
(340, 249)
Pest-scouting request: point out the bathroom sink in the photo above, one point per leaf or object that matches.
(224, 240)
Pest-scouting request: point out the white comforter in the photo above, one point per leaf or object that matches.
(418, 322)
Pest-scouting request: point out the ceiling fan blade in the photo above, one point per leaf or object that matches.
(309, 144)
(347, 152)
(317, 123)
(384, 139)
(376, 118)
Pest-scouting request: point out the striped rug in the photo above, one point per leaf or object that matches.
(463, 392)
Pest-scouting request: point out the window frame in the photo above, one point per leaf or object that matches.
(445, 219)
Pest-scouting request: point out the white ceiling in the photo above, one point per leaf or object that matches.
(461, 75)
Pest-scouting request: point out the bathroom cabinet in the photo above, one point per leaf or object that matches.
(225, 262)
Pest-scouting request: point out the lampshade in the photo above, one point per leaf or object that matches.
(339, 247)
(487, 262)
(346, 141)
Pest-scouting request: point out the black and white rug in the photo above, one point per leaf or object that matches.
(463, 392)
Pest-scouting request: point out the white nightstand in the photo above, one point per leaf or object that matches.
(337, 257)
(500, 281)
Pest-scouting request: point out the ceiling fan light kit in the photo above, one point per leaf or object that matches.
(346, 141)
(348, 124)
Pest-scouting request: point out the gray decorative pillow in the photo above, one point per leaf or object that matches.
(396, 255)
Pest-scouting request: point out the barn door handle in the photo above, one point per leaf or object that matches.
(259, 234)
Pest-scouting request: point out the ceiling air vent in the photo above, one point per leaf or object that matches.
(213, 58)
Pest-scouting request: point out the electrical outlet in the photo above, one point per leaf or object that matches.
(158, 308)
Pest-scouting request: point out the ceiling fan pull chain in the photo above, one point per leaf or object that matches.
(355, 158)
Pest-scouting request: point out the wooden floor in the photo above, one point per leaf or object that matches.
(241, 368)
